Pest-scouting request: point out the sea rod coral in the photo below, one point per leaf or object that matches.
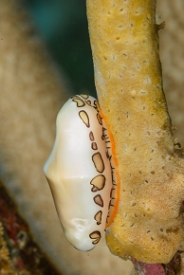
(124, 39)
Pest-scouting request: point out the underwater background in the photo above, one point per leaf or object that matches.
(63, 26)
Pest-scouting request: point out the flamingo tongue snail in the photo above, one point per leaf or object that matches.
(80, 172)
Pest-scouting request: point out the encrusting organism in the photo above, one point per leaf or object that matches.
(6, 266)
(124, 40)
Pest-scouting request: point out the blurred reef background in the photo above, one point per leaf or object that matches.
(63, 26)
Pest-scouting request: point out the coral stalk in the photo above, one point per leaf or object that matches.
(124, 41)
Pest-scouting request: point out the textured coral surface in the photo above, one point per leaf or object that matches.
(148, 224)
(19, 254)
(172, 56)
(6, 267)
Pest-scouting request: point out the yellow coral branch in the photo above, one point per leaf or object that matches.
(124, 41)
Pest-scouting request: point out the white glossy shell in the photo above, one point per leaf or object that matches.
(79, 173)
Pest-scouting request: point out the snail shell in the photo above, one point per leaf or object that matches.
(79, 172)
